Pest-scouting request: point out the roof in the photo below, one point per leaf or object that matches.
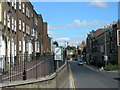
(98, 31)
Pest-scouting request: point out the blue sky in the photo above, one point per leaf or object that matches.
(71, 21)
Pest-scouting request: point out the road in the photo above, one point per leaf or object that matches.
(85, 77)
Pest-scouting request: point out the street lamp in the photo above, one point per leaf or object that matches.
(105, 56)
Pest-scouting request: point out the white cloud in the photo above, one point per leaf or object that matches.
(62, 39)
(99, 3)
(51, 32)
(78, 24)
(71, 40)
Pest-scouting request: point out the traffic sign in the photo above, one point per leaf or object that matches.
(58, 53)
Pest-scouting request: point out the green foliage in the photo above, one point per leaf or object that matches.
(111, 67)
(73, 55)
(70, 48)
(55, 43)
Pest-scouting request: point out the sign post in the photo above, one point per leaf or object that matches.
(105, 59)
(58, 55)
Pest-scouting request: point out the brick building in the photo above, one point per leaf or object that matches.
(103, 42)
(23, 31)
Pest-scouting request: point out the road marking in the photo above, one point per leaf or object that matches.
(89, 67)
(71, 79)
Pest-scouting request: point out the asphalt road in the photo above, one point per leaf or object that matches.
(85, 77)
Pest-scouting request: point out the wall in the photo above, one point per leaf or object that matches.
(59, 79)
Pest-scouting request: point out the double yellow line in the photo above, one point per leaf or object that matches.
(72, 85)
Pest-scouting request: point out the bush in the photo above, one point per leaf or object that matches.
(111, 67)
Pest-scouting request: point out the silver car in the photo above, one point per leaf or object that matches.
(80, 62)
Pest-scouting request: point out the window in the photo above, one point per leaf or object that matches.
(23, 46)
(15, 5)
(23, 24)
(15, 50)
(27, 12)
(19, 45)
(19, 24)
(15, 26)
(5, 18)
(36, 35)
(31, 14)
(8, 0)
(32, 31)
(20, 5)
(36, 21)
(23, 7)
(12, 4)
(12, 23)
(26, 28)
(27, 46)
(8, 20)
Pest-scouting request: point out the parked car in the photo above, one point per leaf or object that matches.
(80, 62)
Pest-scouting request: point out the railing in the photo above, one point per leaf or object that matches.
(24, 67)
(27, 67)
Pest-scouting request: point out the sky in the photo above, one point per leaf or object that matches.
(72, 21)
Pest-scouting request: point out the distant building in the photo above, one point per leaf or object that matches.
(80, 47)
(100, 43)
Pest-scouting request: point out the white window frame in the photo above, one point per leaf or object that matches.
(15, 51)
(12, 3)
(20, 45)
(23, 26)
(20, 24)
(36, 21)
(15, 25)
(8, 20)
(15, 5)
(32, 15)
(20, 5)
(26, 11)
(5, 17)
(23, 7)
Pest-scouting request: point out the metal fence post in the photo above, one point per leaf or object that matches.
(36, 65)
(1, 71)
(24, 71)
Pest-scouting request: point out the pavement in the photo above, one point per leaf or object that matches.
(87, 76)
(98, 69)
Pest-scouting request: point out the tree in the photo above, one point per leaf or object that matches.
(70, 48)
(55, 43)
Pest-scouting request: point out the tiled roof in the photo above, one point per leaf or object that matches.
(98, 31)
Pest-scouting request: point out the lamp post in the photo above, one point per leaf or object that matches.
(105, 56)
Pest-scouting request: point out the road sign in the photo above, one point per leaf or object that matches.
(106, 58)
(58, 51)
(118, 37)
